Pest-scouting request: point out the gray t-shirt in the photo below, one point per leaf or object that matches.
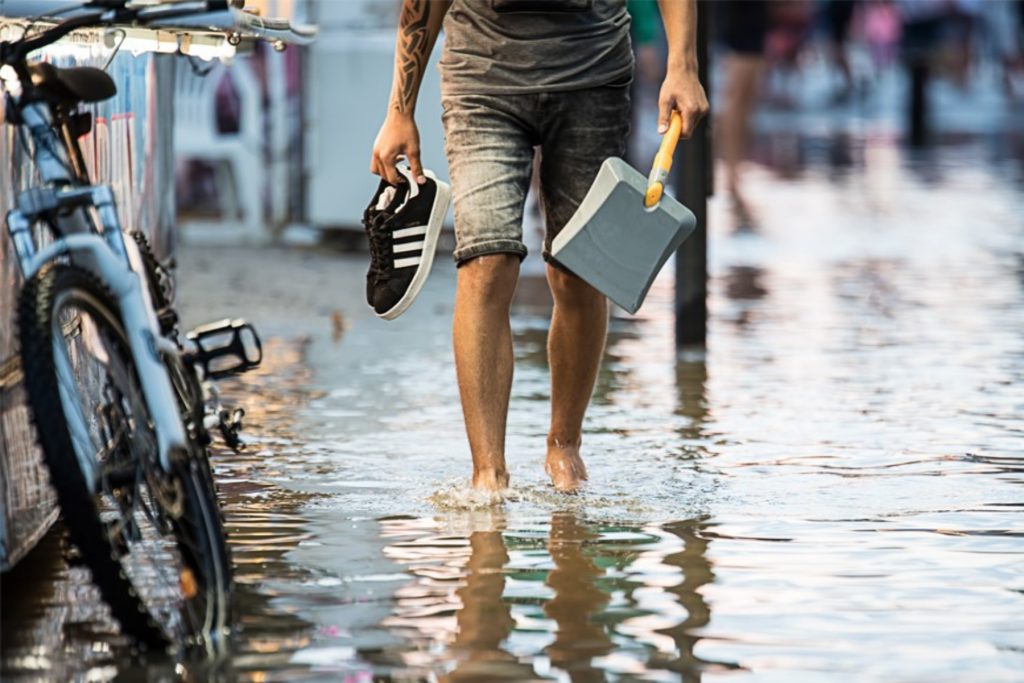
(497, 47)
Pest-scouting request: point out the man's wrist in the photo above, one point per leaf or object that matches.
(396, 112)
(685, 63)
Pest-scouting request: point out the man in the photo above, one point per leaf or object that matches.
(516, 74)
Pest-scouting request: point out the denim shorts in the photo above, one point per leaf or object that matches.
(489, 142)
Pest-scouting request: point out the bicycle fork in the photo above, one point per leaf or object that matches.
(107, 256)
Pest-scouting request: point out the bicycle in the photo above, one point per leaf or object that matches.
(115, 391)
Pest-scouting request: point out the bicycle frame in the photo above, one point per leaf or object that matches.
(63, 203)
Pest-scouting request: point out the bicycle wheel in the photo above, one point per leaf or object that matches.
(153, 540)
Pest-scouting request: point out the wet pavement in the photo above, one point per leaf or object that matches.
(833, 491)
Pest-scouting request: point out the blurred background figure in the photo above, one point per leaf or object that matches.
(839, 19)
(790, 33)
(962, 25)
(882, 31)
(923, 22)
(1004, 27)
(743, 29)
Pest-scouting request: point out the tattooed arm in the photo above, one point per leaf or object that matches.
(418, 26)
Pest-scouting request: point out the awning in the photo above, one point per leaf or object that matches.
(207, 36)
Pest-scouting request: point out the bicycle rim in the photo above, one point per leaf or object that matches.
(153, 541)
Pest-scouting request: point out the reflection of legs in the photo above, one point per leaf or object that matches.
(697, 572)
(579, 324)
(743, 73)
(577, 639)
(484, 620)
(483, 360)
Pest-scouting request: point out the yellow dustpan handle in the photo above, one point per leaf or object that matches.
(663, 161)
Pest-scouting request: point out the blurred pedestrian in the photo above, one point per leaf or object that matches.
(963, 19)
(882, 32)
(790, 24)
(743, 29)
(923, 21)
(838, 19)
(1004, 24)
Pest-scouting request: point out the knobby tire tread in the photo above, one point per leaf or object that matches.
(76, 502)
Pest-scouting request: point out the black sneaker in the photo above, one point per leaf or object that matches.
(402, 224)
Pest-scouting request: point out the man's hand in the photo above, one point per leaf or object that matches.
(681, 92)
(397, 137)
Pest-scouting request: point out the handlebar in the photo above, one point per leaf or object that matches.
(109, 12)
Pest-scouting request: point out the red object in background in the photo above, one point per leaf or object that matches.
(790, 26)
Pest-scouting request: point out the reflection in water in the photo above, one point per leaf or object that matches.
(264, 519)
(51, 611)
(566, 599)
(577, 598)
(484, 620)
(55, 625)
(696, 574)
(744, 288)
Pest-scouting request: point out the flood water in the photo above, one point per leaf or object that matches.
(834, 491)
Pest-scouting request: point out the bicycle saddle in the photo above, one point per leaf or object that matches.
(72, 85)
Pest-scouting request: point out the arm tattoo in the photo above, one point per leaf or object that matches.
(413, 43)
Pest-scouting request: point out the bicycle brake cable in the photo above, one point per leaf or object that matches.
(117, 48)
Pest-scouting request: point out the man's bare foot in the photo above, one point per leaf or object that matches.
(565, 467)
(490, 480)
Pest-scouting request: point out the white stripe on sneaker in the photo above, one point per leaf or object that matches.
(407, 262)
(409, 246)
(410, 232)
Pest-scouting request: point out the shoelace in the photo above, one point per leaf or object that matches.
(369, 225)
(380, 248)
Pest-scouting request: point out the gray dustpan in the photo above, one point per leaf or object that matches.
(613, 241)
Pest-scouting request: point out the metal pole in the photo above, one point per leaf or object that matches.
(693, 187)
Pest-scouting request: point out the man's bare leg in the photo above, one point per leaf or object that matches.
(579, 324)
(483, 360)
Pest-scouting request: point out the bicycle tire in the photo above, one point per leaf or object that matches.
(196, 532)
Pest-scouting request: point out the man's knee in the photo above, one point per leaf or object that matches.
(568, 289)
(491, 276)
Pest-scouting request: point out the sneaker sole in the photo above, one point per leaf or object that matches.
(437, 212)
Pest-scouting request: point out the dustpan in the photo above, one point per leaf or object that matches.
(626, 227)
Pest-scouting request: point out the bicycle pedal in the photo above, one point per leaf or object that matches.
(224, 348)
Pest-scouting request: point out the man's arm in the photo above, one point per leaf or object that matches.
(681, 90)
(418, 26)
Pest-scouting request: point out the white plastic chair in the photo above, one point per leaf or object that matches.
(237, 157)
